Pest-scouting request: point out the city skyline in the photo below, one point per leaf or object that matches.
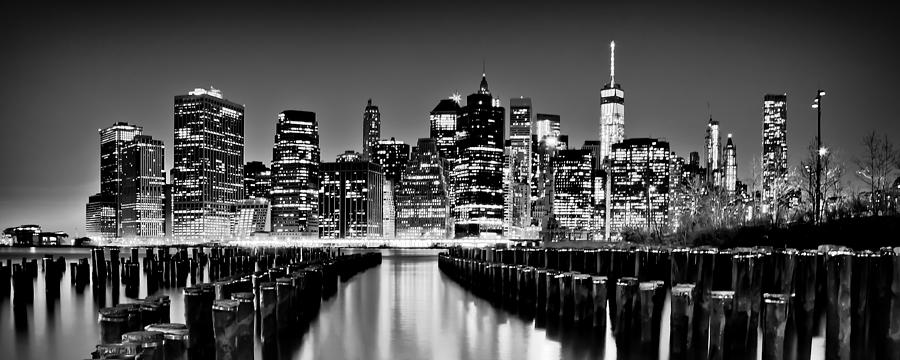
(125, 90)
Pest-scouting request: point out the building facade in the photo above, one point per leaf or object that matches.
(612, 110)
(295, 174)
(392, 155)
(113, 140)
(443, 127)
(713, 145)
(100, 217)
(371, 130)
(774, 147)
(478, 172)
(518, 160)
(640, 185)
(209, 161)
(257, 180)
(423, 198)
(350, 200)
(573, 189)
(143, 194)
(730, 166)
(249, 216)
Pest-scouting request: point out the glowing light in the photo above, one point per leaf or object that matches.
(612, 63)
(823, 151)
(456, 97)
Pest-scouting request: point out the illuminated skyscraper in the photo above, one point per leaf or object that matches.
(774, 146)
(100, 217)
(518, 159)
(142, 195)
(730, 166)
(371, 130)
(392, 155)
(249, 216)
(713, 152)
(257, 180)
(573, 187)
(112, 143)
(546, 125)
(295, 174)
(640, 184)
(209, 161)
(422, 198)
(350, 200)
(388, 210)
(349, 156)
(443, 126)
(478, 172)
(612, 109)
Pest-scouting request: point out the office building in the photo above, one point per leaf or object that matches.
(257, 180)
(640, 185)
(423, 198)
(349, 156)
(713, 142)
(478, 172)
(517, 183)
(730, 166)
(443, 126)
(112, 143)
(249, 216)
(774, 147)
(612, 110)
(209, 161)
(371, 130)
(573, 190)
(142, 189)
(350, 200)
(295, 174)
(392, 155)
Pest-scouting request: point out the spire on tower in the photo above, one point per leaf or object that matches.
(612, 63)
(483, 87)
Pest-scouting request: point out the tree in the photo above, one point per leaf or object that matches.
(832, 180)
(876, 167)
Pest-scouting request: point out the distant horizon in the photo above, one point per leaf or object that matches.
(87, 66)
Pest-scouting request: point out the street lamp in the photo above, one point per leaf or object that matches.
(817, 104)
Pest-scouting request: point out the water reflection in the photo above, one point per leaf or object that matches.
(407, 308)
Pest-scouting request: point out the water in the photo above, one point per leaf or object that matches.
(403, 309)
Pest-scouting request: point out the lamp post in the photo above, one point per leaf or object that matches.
(817, 104)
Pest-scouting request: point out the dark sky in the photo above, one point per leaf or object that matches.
(68, 69)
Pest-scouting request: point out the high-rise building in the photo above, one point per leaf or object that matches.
(573, 188)
(713, 153)
(478, 172)
(640, 184)
(542, 176)
(594, 147)
(518, 177)
(350, 200)
(443, 126)
(546, 125)
(100, 217)
(112, 143)
(142, 194)
(349, 156)
(612, 109)
(249, 216)
(388, 210)
(209, 162)
(730, 166)
(295, 174)
(371, 130)
(392, 155)
(774, 146)
(423, 196)
(257, 180)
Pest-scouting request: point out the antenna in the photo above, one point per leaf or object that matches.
(612, 63)
(483, 72)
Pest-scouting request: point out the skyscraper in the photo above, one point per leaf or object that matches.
(371, 130)
(350, 200)
(573, 191)
(640, 184)
(100, 217)
(730, 166)
(295, 174)
(423, 198)
(518, 158)
(713, 150)
(249, 216)
(209, 162)
(478, 172)
(443, 126)
(612, 109)
(142, 193)
(392, 155)
(546, 125)
(774, 146)
(349, 156)
(257, 180)
(388, 210)
(112, 143)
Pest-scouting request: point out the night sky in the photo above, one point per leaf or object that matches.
(69, 69)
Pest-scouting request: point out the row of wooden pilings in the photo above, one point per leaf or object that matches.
(271, 299)
(721, 300)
